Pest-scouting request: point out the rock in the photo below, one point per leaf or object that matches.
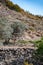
(14, 56)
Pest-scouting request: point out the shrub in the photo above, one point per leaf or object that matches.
(13, 6)
(18, 27)
(5, 29)
(38, 54)
(40, 47)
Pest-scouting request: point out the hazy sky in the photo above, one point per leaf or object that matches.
(33, 6)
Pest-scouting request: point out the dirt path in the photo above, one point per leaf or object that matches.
(15, 47)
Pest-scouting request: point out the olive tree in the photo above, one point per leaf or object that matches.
(18, 28)
(5, 30)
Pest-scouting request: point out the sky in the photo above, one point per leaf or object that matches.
(33, 6)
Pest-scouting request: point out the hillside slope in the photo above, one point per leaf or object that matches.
(33, 27)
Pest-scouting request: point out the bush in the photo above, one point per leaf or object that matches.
(40, 47)
(5, 29)
(38, 54)
(18, 27)
(13, 6)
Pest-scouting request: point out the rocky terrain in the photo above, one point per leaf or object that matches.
(17, 31)
(8, 17)
(16, 56)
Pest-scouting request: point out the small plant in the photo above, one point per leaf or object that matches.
(26, 63)
(23, 41)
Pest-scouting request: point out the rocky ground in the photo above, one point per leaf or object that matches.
(8, 17)
(16, 56)
(20, 52)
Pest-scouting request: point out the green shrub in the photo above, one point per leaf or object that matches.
(18, 27)
(38, 54)
(5, 28)
(40, 47)
(13, 6)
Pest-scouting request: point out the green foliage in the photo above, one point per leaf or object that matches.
(31, 28)
(17, 8)
(39, 44)
(38, 54)
(13, 6)
(40, 47)
(23, 41)
(2, 25)
(18, 27)
(5, 28)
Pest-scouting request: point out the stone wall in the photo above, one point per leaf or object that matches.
(15, 56)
